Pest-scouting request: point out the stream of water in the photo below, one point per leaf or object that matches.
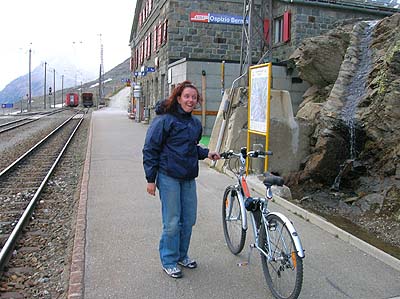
(356, 90)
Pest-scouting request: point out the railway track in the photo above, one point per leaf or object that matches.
(8, 126)
(22, 182)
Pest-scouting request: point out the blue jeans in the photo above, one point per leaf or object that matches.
(179, 209)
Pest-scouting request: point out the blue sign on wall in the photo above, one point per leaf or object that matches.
(215, 18)
(6, 105)
(140, 74)
(225, 19)
(151, 69)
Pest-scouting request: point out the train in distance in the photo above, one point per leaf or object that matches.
(72, 99)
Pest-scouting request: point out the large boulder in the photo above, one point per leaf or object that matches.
(317, 57)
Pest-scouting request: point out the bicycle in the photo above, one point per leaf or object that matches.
(274, 234)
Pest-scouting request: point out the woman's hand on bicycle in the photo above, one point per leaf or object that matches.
(213, 156)
(151, 188)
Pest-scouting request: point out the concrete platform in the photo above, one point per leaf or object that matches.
(120, 225)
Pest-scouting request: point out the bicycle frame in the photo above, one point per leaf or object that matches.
(274, 235)
(243, 192)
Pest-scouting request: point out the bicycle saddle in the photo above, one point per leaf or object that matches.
(271, 180)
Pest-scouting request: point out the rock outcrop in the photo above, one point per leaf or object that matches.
(365, 160)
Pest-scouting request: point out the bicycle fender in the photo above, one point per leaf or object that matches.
(293, 232)
(242, 209)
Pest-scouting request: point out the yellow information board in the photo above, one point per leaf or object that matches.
(260, 77)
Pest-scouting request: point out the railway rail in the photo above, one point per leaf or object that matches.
(22, 182)
(5, 127)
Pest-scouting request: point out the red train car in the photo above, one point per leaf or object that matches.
(72, 99)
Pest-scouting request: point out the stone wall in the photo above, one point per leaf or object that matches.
(312, 20)
(206, 41)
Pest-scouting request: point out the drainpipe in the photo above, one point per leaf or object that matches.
(371, 10)
(222, 77)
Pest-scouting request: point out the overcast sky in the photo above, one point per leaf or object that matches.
(67, 29)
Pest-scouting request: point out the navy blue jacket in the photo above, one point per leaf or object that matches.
(172, 146)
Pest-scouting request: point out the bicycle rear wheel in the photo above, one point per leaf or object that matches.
(284, 272)
(232, 220)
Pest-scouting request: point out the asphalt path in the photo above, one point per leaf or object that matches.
(124, 226)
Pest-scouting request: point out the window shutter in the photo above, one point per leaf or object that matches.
(286, 26)
(155, 39)
(266, 30)
(146, 46)
(139, 53)
(165, 27)
(142, 52)
(149, 46)
(159, 36)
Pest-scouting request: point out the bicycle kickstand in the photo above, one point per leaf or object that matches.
(247, 263)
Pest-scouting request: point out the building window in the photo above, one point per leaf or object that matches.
(278, 30)
(282, 28)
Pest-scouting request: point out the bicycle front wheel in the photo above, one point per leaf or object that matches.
(232, 220)
(283, 271)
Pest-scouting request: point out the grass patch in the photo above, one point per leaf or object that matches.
(205, 140)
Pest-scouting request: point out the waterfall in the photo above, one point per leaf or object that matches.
(357, 87)
(356, 90)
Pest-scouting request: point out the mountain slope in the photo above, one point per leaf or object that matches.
(18, 88)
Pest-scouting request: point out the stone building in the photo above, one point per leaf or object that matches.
(201, 40)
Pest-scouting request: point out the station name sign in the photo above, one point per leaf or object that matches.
(205, 17)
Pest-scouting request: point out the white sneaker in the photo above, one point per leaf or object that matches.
(174, 272)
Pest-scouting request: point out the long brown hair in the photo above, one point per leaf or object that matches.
(171, 105)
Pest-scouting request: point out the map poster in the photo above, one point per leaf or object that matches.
(260, 77)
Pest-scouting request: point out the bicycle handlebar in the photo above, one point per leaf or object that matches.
(244, 153)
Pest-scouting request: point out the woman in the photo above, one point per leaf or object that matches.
(170, 158)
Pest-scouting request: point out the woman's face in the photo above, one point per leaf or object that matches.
(188, 99)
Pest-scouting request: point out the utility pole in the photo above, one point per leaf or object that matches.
(44, 89)
(246, 47)
(98, 99)
(101, 76)
(54, 87)
(62, 89)
(254, 26)
(30, 82)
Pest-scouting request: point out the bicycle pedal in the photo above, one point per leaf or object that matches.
(242, 264)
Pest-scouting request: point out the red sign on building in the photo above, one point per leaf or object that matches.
(199, 17)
